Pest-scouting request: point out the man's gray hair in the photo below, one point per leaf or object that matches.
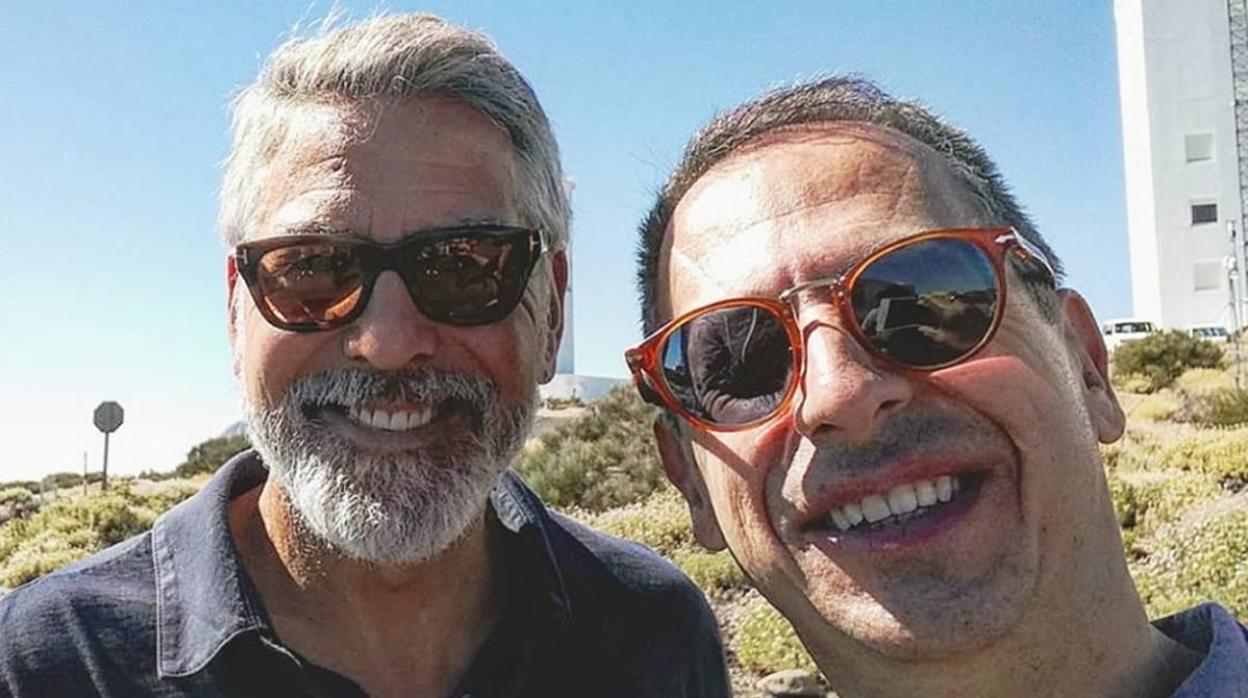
(391, 58)
(830, 99)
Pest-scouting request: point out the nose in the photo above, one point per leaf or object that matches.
(391, 333)
(845, 391)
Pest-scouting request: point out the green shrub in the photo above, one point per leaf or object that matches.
(211, 454)
(1160, 406)
(1225, 407)
(604, 459)
(29, 485)
(15, 495)
(714, 573)
(75, 526)
(1186, 566)
(1129, 382)
(1164, 356)
(660, 522)
(1222, 453)
(764, 642)
(1145, 500)
(1200, 383)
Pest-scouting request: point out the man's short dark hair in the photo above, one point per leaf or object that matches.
(830, 99)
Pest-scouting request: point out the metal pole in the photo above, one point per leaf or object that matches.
(1232, 273)
(104, 479)
(84, 473)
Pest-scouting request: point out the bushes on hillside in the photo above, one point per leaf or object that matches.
(602, 460)
(72, 527)
(1199, 562)
(764, 641)
(1162, 357)
(211, 454)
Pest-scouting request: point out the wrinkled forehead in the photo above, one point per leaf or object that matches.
(800, 204)
(350, 161)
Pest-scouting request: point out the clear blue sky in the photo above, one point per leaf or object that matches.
(114, 122)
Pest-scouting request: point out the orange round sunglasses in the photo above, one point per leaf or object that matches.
(920, 303)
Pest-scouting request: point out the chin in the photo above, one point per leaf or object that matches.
(918, 614)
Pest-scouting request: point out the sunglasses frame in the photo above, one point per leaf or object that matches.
(375, 258)
(996, 243)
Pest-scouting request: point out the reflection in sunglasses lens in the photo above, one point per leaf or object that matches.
(310, 283)
(927, 304)
(467, 279)
(729, 366)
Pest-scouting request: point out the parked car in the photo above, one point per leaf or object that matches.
(1124, 330)
(1212, 333)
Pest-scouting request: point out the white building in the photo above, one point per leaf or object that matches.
(567, 384)
(1182, 154)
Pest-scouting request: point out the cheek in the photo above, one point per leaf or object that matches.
(1044, 417)
(740, 470)
(270, 360)
(508, 353)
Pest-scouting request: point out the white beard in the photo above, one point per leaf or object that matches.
(392, 508)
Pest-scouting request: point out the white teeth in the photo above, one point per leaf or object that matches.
(853, 513)
(839, 519)
(874, 508)
(925, 491)
(900, 500)
(402, 420)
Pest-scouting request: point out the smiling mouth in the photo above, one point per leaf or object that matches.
(394, 419)
(901, 505)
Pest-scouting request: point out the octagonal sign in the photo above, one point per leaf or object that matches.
(108, 416)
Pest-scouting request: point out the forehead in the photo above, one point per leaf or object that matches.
(798, 205)
(382, 169)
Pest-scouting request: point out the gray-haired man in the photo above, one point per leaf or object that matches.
(394, 202)
(901, 455)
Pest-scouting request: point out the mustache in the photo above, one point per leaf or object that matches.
(353, 385)
(902, 435)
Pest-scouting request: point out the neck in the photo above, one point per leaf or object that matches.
(395, 629)
(1102, 645)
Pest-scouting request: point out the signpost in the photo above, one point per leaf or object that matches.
(108, 417)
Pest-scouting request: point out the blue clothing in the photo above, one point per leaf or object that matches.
(172, 612)
(1211, 631)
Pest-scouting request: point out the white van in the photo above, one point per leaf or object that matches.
(1212, 333)
(1124, 330)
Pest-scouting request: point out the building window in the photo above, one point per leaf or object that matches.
(1198, 146)
(1204, 213)
(1207, 275)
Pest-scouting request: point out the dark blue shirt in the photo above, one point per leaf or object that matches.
(172, 612)
(1213, 632)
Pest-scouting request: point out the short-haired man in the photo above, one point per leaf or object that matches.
(880, 401)
(394, 200)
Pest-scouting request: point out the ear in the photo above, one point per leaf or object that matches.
(554, 318)
(678, 462)
(1087, 347)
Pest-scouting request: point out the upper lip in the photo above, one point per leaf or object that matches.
(925, 464)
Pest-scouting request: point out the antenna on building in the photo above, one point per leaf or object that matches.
(1232, 273)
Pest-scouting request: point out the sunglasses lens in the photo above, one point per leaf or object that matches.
(309, 284)
(471, 279)
(927, 304)
(733, 365)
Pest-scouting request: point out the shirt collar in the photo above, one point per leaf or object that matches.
(521, 512)
(204, 598)
(1212, 631)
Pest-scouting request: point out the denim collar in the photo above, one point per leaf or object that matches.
(205, 599)
(1212, 631)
